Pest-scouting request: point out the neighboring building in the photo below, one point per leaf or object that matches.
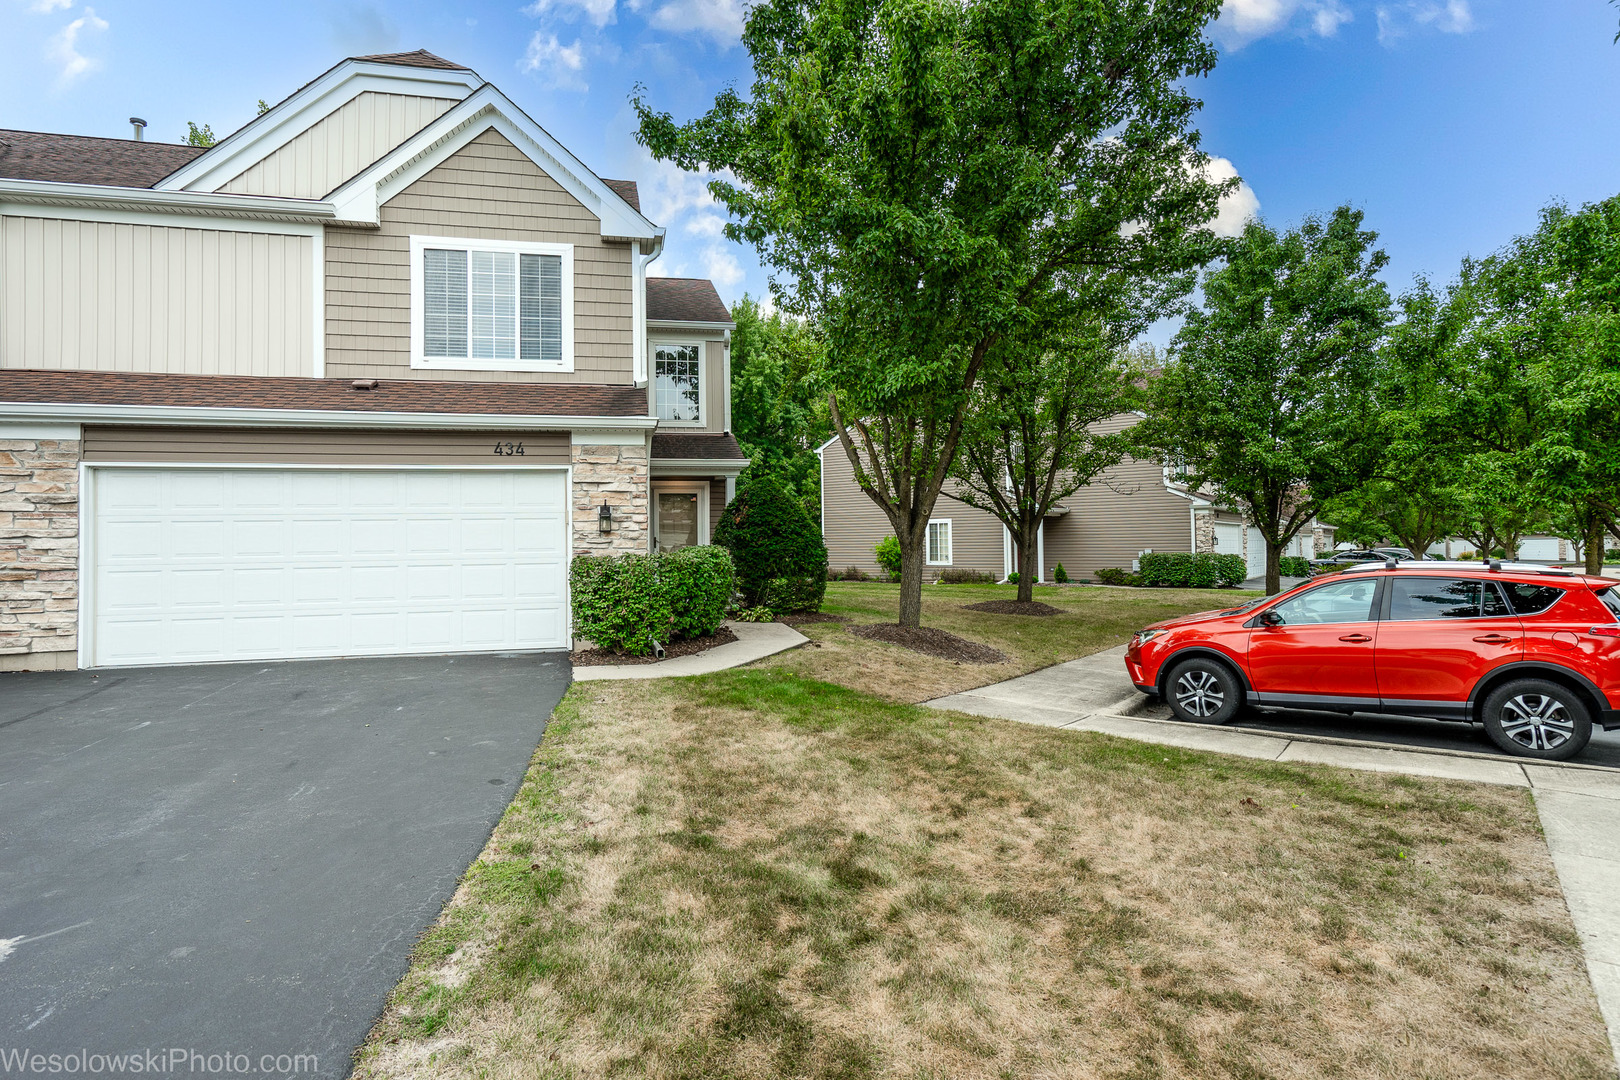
(358, 380)
(1135, 508)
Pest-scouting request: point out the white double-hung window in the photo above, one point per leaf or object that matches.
(678, 383)
(491, 305)
(939, 543)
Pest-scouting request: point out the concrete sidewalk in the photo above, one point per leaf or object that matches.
(1579, 804)
(755, 641)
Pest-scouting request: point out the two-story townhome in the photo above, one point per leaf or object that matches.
(360, 379)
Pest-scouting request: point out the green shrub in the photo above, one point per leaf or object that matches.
(793, 594)
(853, 573)
(1468, 556)
(1012, 578)
(1114, 576)
(888, 554)
(1184, 570)
(1294, 566)
(1611, 554)
(755, 614)
(1060, 575)
(770, 537)
(619, 602)
(956, 575)
(699, 582)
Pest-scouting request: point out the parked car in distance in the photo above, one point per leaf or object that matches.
(1531, 653)
(1341, 559)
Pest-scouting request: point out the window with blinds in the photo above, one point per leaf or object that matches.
(485, 304)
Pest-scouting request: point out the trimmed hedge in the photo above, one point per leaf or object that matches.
(1112, 575)
(958, 575)
(626, 602)
(1294, 566)
(1182, 570)
(772, 539)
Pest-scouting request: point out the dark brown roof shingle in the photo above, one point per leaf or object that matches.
(416, 58)
(626, 190)
(684, 300)
(696, 446)
(260, 392)
(89, 159)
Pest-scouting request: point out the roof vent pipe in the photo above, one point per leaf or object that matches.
(140, 128)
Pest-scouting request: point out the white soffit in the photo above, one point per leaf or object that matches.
(265, 135)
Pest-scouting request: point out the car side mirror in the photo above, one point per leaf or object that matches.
(1270, 618)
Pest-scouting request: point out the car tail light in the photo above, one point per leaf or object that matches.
(1605, 631)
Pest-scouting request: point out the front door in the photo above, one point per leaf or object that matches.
(1440, 638)
(1322, 651)
(675, 518)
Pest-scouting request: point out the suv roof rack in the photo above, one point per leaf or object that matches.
(1496, 566)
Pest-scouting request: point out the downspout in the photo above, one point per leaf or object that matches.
(638, 310)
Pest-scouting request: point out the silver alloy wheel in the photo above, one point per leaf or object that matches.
(1199, 693)
(1537, 721)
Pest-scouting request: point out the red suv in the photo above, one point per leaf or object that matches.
(1532, 653)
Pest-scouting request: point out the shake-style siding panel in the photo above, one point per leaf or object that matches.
(340, 146)
(487, 189)
(109, 296)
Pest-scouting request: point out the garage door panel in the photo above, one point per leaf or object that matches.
(299, 563)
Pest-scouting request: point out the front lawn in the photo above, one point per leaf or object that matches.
(762, 874)
(1092, 619)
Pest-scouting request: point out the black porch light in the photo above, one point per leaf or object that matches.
(604, 519)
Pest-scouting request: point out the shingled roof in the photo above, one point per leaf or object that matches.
(89, 159)
(674, 299)
(337, 395)
(696, 446)
(416, 58)
(626, 190)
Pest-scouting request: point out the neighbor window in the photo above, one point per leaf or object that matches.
(677, 381)
(493, 305)
(939, 543)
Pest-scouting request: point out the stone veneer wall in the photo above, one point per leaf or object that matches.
(617, 475)
(1204, 522)
(39, 554)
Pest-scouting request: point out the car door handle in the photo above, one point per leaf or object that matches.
(1494, 639)
(1357, 638)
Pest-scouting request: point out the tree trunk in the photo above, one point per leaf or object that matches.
(1273, 567)
(1028, 560)
(913, 554)
(1594, 545)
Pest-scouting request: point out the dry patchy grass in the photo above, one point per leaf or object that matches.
(1092, 619)
(756, 875)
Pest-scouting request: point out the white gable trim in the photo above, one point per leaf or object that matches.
(240, 151)
(359, 200)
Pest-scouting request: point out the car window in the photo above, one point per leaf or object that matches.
(1611, 600)
(1531, 599)
(1495, 603)
(1339, 602)
(1416, 598)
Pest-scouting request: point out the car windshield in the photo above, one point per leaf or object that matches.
(1611, 600)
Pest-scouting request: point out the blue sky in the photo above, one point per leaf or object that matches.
(1450, 122)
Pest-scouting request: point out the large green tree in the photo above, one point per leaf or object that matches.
(777, 413)
(1268, 398)
(920, 172)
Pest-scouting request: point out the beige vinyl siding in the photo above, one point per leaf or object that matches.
(315, 446)
(342, 144)
(109, 296)
(714, 386)
(853, 524)
(717, 504)
(488, 190)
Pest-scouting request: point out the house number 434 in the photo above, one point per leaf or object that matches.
(507, 449)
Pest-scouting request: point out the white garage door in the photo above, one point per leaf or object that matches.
(206, 564)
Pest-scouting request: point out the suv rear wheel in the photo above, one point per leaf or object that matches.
(1537, 718)
(1203, 691)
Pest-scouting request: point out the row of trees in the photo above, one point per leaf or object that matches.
(977, 207)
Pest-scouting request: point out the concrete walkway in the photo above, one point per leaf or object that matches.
(755, 641)
(1579, 804)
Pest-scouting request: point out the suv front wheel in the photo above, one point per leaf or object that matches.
(1203, 691)
(1536, 718)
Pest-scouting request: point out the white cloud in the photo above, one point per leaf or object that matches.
(721, 267)
(670, 191)
(1242, 21)
(1238, 207)
(1395, 21)
(45, 7)
(63, 47)
(721, 20)
(558, 64)
(706, 225)
(599, 12)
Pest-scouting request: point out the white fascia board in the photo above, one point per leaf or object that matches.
(360, 198)
(185, 416)
(241, 150)
(108, 198)
(688, 324)
(826, 444)
(670, 466)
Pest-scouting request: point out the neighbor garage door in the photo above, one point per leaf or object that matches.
(208, 564)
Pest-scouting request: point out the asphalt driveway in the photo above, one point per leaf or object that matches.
(237, 859)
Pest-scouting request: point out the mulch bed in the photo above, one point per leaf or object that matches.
(806, 618)
(684, 647)
(1014, 607)
(933, 642)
